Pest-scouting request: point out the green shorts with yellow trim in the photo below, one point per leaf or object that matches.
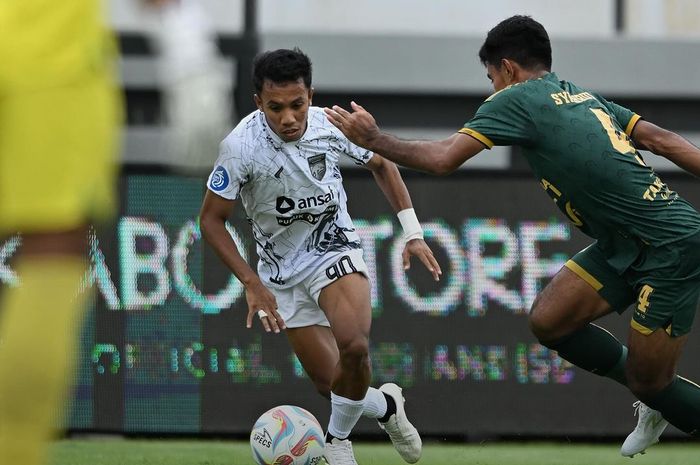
(662, 286)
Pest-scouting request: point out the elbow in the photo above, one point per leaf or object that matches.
(206, 226)
(654, 144)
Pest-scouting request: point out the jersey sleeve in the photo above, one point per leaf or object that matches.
(502, 119)
(230, 173)
(358, 155)
(625, 117)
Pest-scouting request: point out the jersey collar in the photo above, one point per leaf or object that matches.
(551, 76)
(277, 139)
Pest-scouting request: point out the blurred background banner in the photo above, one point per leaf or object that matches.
(165, 349)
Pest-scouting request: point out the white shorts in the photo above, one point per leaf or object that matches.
(298, 305)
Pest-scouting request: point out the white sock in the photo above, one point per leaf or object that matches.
(344, 414)
(375, 404)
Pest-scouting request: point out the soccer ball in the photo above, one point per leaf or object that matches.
(287, 435)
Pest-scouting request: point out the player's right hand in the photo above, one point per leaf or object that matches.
(260, 298)
(358, 126)
(418, 248)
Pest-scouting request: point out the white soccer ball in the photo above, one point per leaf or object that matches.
(287, 435)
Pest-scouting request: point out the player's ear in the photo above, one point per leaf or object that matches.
(508, 71)
(258, 101)
(311, 94)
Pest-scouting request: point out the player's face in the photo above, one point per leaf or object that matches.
(498, 77)
(286, 107)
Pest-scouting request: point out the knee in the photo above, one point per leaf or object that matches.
(645, 383)
(354, 352)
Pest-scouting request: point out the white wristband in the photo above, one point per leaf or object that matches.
(409, 223)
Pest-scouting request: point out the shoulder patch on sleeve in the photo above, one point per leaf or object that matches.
(219, 179)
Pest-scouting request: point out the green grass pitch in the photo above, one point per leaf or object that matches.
(206, 452)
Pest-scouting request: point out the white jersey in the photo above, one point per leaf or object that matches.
(292, 193)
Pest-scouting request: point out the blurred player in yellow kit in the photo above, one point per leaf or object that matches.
(59, 116)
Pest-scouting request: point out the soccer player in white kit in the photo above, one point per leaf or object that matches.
(282, 163)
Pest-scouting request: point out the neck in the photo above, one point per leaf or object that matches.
(533, 74)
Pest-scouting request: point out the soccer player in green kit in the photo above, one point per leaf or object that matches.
(582, 149)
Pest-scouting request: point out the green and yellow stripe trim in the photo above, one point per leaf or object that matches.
(642, 329)
(646, 331)
(478, 136)
(583, 274)
(630, 126)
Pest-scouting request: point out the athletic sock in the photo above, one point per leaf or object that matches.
(39, 326)
(375, 405)
(594, 349)
(679, 403)
(617, 372)
(344, 414)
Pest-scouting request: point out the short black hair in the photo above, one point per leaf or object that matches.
(280, 66)
(518, 38)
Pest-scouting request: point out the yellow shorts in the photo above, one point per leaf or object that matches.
(57, 155)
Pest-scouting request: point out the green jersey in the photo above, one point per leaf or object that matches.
(578, 146)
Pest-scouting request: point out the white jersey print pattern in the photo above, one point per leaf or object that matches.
(292, 193)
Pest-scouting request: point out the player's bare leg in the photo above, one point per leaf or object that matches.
(565, 305)
(347, 306)
(346, 303)
(38, 327)
(317, 351)
(561, 319)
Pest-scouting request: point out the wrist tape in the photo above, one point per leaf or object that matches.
(409, 222)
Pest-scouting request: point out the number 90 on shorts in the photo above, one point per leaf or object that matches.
(298, 304)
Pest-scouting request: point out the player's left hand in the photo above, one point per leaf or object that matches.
(418, 248)
(358, 126)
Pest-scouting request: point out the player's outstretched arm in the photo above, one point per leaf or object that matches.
(212, 219)
(668, 144)
(439, 157)
(389, 180)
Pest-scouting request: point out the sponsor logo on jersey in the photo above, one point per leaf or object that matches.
(219, 179)
(317, 165)
(311, 218)
(285, 204)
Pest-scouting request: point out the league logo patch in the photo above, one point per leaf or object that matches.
(219, 179)
(317, 165)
